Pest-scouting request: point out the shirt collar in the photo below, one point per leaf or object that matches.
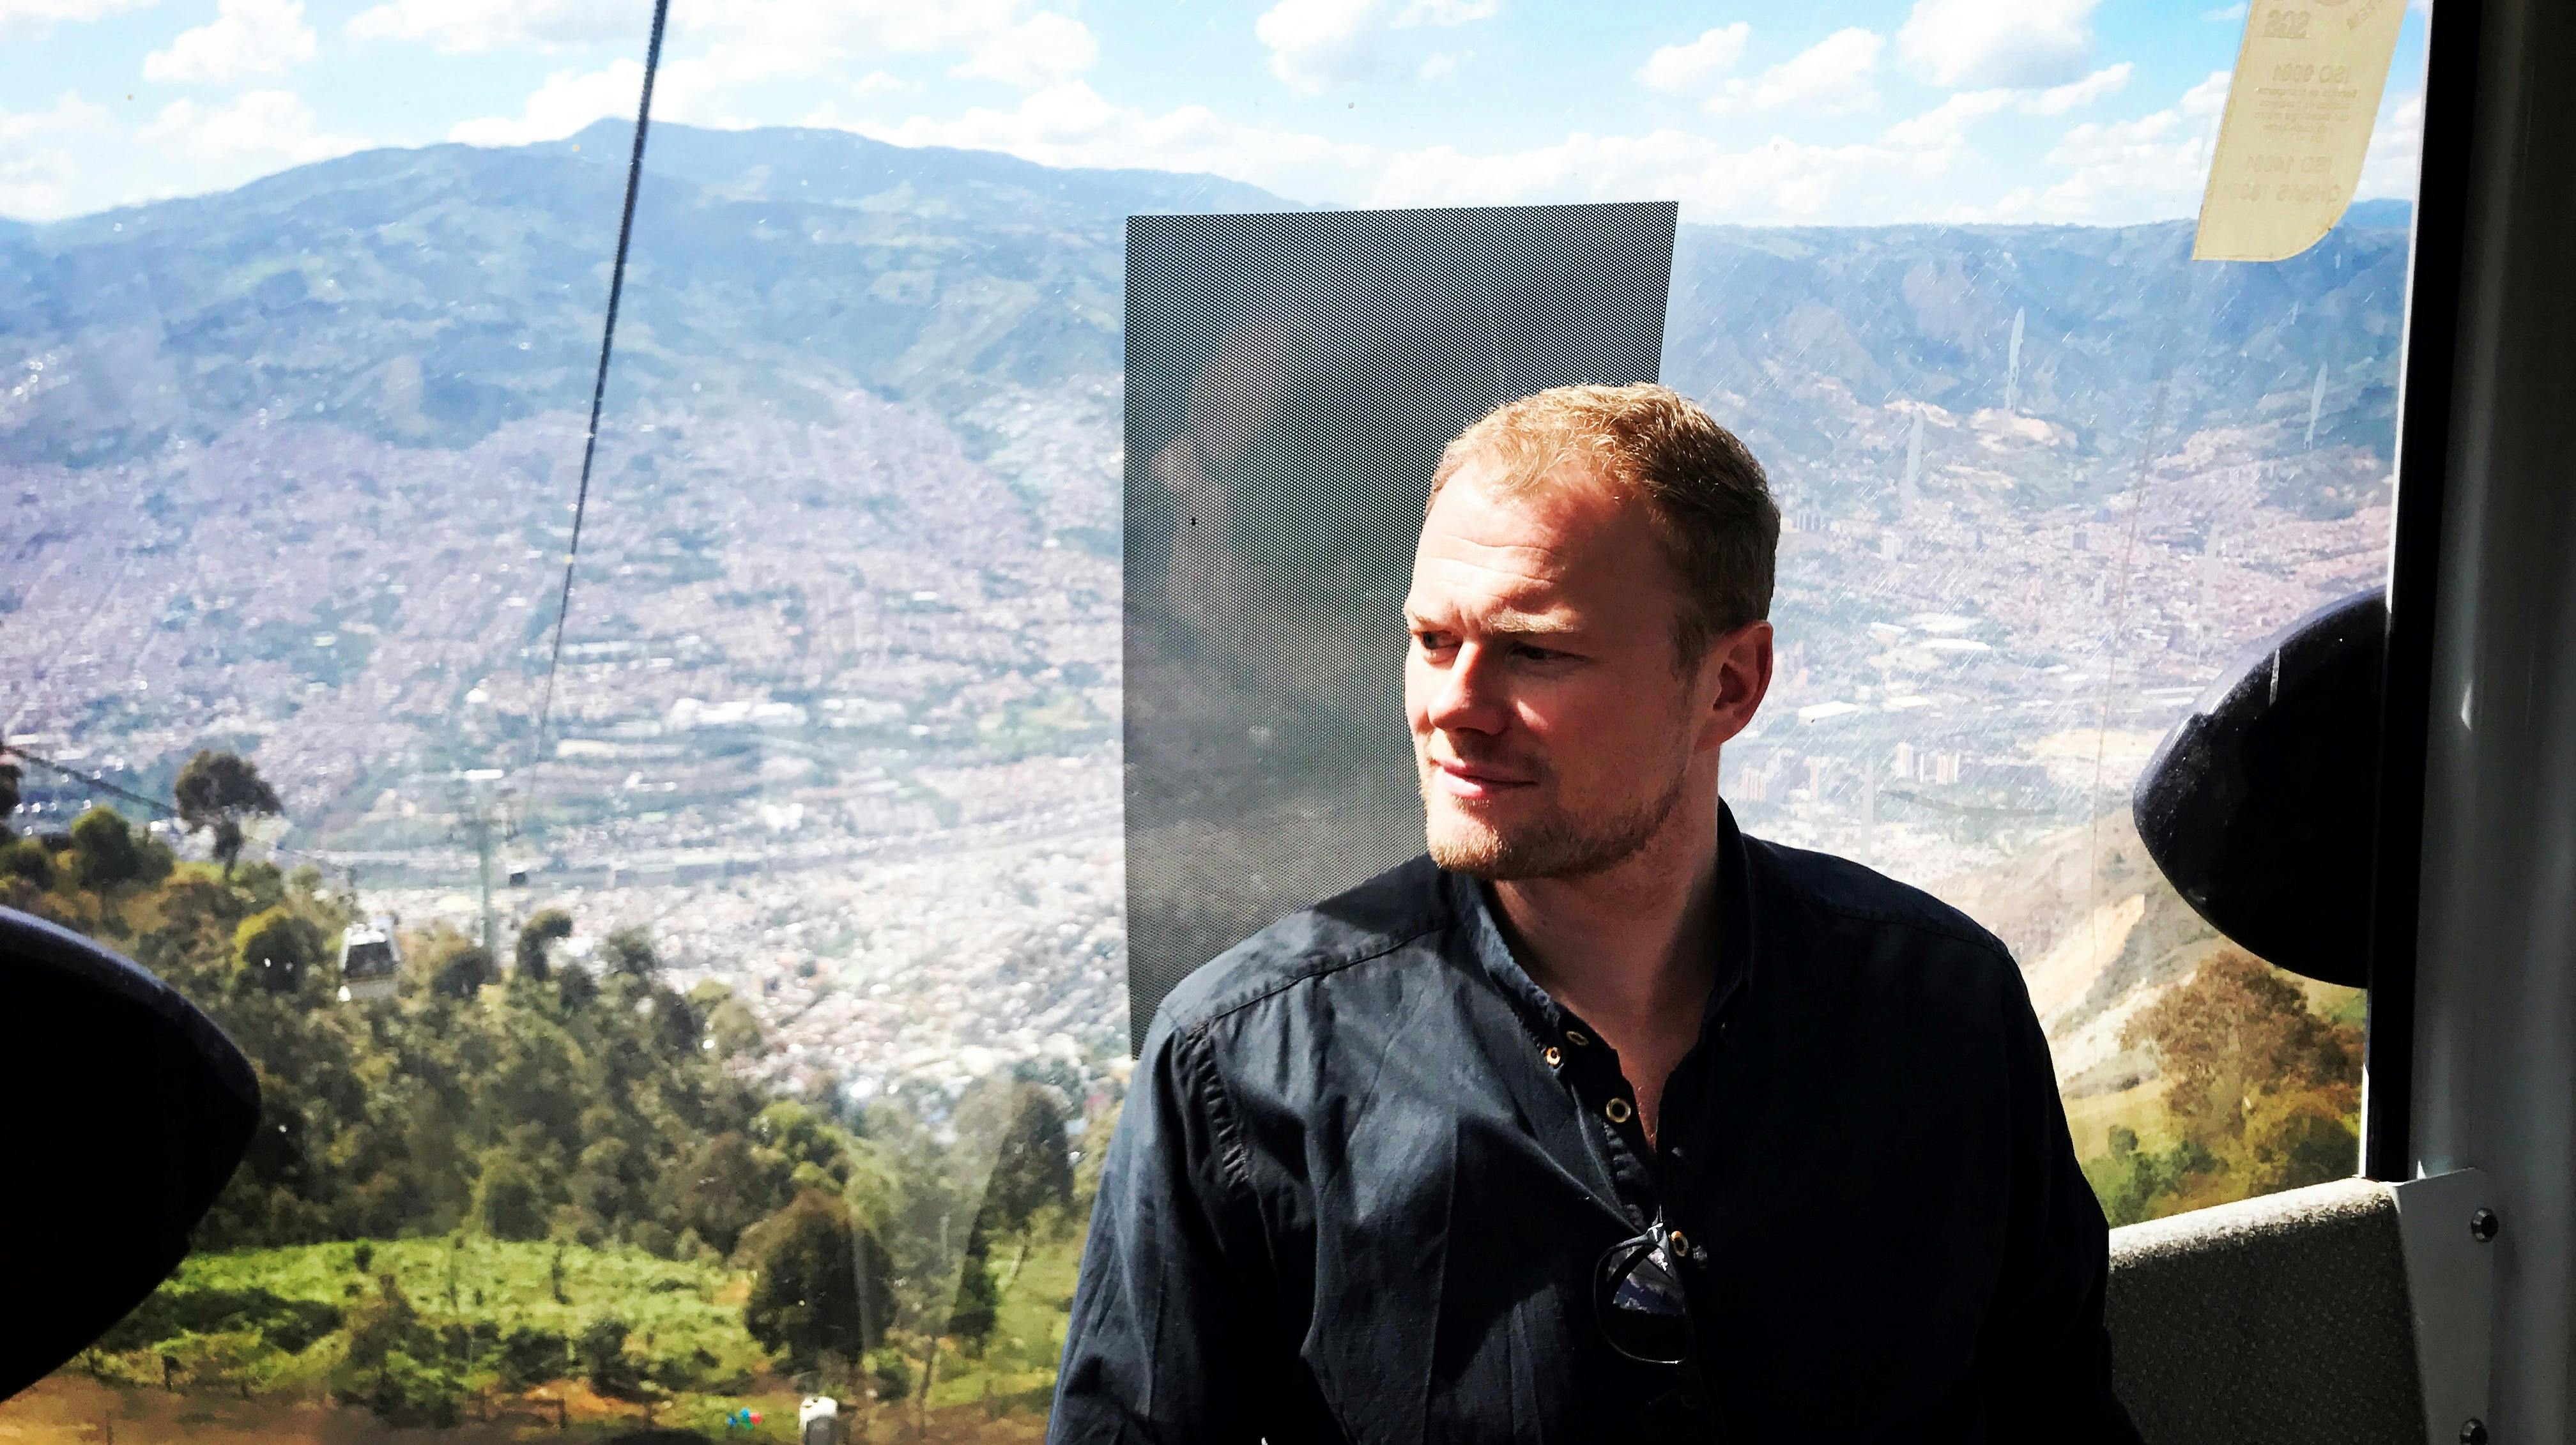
(1473, 902)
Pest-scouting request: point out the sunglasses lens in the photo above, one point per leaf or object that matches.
(1641, 1304)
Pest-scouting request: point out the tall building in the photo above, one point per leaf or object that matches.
(2012, 364)
(1909, 490)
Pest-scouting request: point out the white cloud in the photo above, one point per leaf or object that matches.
(830, 116)
(1449, 12)
(71, 113)
(755, 42)
(2128, 170)
(250, 135)
(1442, 65)
(1947, 123)
(1037, 52)
(566, 102)
(1688, 67)
(1315, 44)
(1070, 125)
(2209, 97)
(39, 173)
(694, 90)
(823, 32)
(246, 37)
(39, 16)
(1778, 180)
(835, 31)
(468, 27)
(1827, 78)
(2077, 94)
(2224, 13)
(1985, 43)
(2396, 153)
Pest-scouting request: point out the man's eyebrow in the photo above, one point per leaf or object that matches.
(1509, 622)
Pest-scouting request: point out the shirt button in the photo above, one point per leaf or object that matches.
(1577, 1038)
(1618, 1111)
(1553, 1055)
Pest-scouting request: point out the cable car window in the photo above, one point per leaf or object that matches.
(688, 984)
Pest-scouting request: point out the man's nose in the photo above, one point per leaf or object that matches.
(1467, 696)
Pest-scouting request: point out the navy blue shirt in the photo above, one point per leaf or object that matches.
(1367, 1167)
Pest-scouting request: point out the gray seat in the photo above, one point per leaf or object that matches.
(2351, 1313)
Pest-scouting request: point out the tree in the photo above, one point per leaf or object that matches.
(460, 970)
(273, 949)
(729, 1021)
(890, 1376)
(530, 1357)
(381, 1327)
(105, 851)
(544, 927)
(575, 989)
(216, 791)
(928, 1223)
(628, 953)
(608, 1185)
(238, 1358)
(508, 1204)
(2263, 1094)
(26, 858)
(724, 1187)
(1032, 1170)
(601, 1350)
(9, 776)
(818, 1285)
(675, 1025)
(978, 1309)
(2238, 1029)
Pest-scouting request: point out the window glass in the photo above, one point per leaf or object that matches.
(727, 1005)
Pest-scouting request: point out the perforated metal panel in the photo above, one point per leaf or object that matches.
(1291, 379)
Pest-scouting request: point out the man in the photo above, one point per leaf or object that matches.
(1604, 1121)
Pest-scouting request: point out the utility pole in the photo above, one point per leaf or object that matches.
(483, 816)
(483, 871)
(1869, 810)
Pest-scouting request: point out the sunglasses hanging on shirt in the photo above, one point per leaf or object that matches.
(1639, 1299)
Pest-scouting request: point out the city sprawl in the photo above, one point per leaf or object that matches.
(837, 711)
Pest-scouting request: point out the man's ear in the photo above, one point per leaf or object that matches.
(1735, 676)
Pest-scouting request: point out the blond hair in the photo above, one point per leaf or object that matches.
(1705, 494)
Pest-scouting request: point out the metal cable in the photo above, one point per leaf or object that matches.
(599, 382)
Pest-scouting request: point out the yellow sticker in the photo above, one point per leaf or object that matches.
(2299, 113)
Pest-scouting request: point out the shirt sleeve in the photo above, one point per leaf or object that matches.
(1162, 1344)
(2045, 1355)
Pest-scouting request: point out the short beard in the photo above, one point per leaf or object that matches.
(1555, 847)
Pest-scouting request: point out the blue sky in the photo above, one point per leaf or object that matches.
(1842, 111)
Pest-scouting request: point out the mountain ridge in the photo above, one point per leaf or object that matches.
(716, 159)
(428, 296)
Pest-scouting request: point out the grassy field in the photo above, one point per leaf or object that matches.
(688, 1309)
(669, 1306)
(1018, 1365)
(2141, 1107)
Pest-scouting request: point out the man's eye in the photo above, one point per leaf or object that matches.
(1433, 641)
(1528, 653)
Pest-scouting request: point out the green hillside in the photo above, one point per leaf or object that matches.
(543, 1186)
